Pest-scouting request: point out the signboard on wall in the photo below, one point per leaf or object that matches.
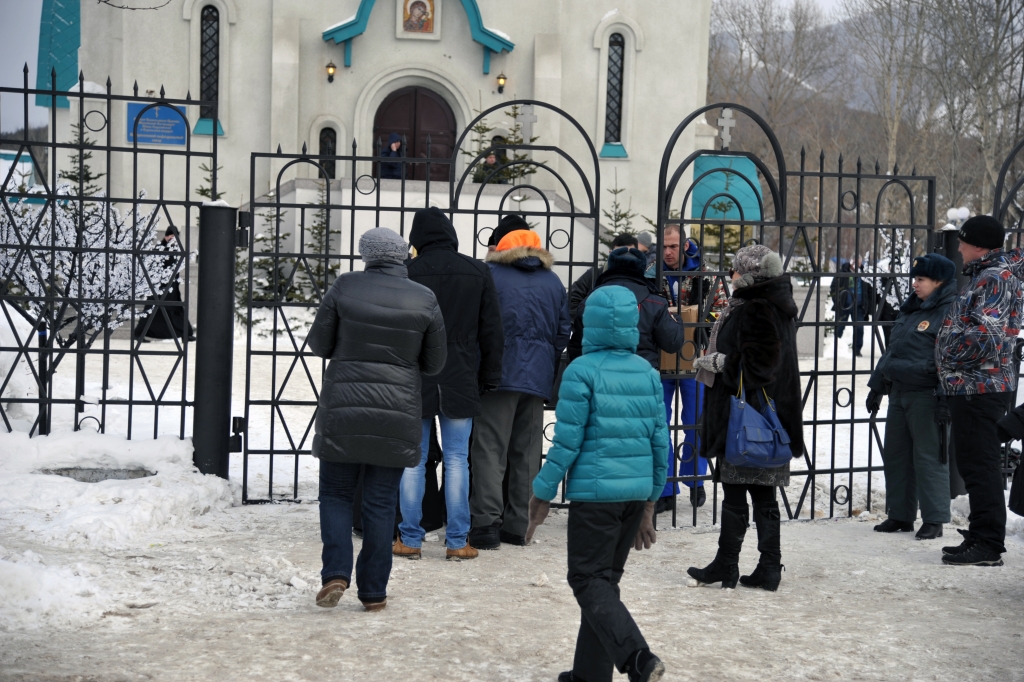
(159, 125)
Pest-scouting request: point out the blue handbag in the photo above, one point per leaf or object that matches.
(755, 439)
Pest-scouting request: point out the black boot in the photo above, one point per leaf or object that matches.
(725, 567)
(768, 573)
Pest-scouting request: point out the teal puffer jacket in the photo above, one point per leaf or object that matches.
(610, 435)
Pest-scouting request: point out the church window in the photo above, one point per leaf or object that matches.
(328, 147)
(209, 60)
(613, 99)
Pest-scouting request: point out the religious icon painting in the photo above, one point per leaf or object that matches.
(418, 19)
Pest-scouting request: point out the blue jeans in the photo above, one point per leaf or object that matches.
(337, 490)
(691, 395)
(455, 449)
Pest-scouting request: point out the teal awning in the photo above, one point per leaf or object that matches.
(729, 184)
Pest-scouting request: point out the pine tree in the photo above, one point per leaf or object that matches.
(205, 190)
(319, 272)
(81, 173)
(515, 137)
(270, 271)
(620, 219)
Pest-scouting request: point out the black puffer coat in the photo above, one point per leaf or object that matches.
(908, 363)
(761, 334)
(380, 331)
(658, 329)
(465, 292)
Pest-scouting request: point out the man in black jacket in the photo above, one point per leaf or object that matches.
(659, 331)
(584, 284)
(379, 331)
(472, 320)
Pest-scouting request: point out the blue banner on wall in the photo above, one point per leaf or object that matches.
(159, 125)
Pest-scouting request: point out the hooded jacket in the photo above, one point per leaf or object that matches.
(468, 300)
(534, 315)
(974, 348)
(379, 331)
(658, 329)
(392, 169)
(760, 336)
(908, 363)
(611, 440)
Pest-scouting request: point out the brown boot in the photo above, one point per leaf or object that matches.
(467, 552)
(331, 594)
(399, 549)
(376, 605)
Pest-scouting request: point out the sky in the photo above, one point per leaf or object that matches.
(19, 43)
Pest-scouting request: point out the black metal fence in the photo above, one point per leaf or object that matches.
(83, 278)
(87, 273)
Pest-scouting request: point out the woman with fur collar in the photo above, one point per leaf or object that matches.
(755, 334)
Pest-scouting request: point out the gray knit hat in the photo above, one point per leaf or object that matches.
(755, 263)
(645, 239)
(380, 243)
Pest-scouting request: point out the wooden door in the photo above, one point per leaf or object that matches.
(418, 113)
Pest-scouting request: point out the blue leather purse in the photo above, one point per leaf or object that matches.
(755, 439)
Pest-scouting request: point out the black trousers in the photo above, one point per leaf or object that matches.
(735, 494)
(979, 460)
(600, 537)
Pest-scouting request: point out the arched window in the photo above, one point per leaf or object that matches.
(328, 147)
(209, 60)
(613, 100)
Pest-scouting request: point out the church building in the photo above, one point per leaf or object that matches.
(328, 74)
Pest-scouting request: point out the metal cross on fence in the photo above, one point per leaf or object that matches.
(726, 123)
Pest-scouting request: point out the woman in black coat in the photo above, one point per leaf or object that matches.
(914, 471)
(380, 332)
(756, 333)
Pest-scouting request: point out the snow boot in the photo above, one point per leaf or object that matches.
(929, 531)
(962, 547)
(768, 573)
(977, 555)
(466, 552)
(697, 496)
(567, 676)
(371, 606)
(894, 526)
(643, 666)
(486, 537)
(725, 567)
(331, 593)
(401, 549)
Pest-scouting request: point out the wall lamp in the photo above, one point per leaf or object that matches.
(501, 82)
(331, 68)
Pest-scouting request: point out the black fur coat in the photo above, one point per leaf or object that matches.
(760, 334)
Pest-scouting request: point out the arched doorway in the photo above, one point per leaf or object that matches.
(417, 113)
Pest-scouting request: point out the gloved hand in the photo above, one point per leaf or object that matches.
(874, 401)
(701, 337)
(539, 510)
(941, 411)
(646, 535)
(487, 388)
(712, 362)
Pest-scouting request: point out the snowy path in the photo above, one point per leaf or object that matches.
(175, 605)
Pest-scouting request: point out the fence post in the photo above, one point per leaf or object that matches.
(215, 334)
(950, 248)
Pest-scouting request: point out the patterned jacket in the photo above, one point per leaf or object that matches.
(974, 348)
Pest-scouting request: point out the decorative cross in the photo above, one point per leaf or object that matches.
(527, 118)
(726, 122)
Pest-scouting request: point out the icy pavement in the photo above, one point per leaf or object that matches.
(228, 595)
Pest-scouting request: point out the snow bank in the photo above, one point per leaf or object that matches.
(33, 594)
(115, 513)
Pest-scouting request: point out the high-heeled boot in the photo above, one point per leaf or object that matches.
(768, 573)
(725, 567)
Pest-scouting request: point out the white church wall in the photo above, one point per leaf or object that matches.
(274, 88)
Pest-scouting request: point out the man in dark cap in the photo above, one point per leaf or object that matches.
(974, 354)
(585, 283)
(509, 223)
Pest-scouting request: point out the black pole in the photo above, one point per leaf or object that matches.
(215, 338)
(950, 248)
(44, 417)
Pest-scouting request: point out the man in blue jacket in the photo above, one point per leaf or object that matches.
(610, 445)
(509, 431)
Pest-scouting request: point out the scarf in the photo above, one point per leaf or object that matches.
(704, 376)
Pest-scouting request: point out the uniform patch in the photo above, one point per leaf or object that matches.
(923, 326)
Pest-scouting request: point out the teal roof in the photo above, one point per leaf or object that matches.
(725, 185)
(493, 41)
(60, 35)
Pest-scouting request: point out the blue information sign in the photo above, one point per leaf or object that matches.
(159, 125)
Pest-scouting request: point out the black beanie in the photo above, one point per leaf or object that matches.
(509, 223)
(983, 231)
(933, 266)
(626, 259)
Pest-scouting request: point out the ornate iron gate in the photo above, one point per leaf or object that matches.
(306, 231)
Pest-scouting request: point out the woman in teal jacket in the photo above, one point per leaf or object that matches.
(611, 445)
